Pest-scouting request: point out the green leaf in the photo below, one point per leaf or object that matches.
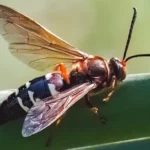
(127, 116)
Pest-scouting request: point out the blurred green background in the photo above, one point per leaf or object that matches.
(99, 27)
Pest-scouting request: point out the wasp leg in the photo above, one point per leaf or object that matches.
(94, 109)
(103, 119)
(90, 105)
(114, 85)
(59, 120)
(62, 68)
(108, 96)
(55, 131)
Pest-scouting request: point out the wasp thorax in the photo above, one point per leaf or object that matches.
(117, 69)
(97, 68)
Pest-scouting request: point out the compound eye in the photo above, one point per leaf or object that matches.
(118, 68)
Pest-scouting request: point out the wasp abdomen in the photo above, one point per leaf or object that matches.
(18, 103)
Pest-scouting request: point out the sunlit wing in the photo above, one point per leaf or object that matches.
(44, 113)
(33, 44)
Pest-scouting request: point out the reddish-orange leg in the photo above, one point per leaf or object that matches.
(62, 68)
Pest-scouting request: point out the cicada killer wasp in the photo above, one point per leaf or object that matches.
(75, 74)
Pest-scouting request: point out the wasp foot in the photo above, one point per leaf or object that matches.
(103, 120)
(94, 110)
(48, 141)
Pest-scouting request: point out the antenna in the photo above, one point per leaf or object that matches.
(130, 32)
(138, 55)
(129, 39)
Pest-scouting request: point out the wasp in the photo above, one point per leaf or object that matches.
(74, 74)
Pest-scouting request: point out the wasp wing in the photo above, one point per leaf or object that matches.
(33, 44)
(44, 113)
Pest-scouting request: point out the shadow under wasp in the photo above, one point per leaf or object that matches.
(75, 74)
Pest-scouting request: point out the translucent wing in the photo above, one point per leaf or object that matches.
(32, 43)
(48, 111)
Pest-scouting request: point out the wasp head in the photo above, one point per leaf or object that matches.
(117, 68)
